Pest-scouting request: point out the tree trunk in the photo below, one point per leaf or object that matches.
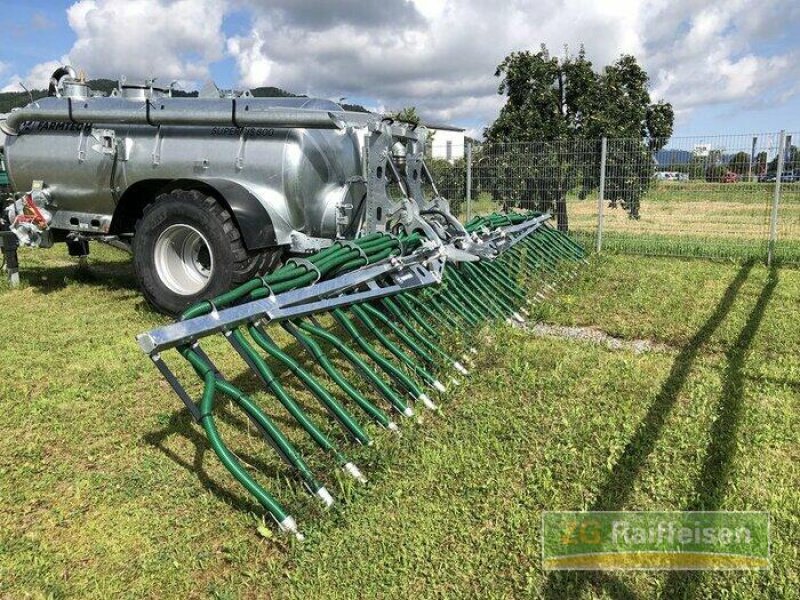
(561, 213)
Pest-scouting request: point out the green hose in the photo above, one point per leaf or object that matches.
(380, 385)
(316, 351)
(395, 373)
(287, 401)
(339, 413)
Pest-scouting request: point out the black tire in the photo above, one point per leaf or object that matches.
(222, 261)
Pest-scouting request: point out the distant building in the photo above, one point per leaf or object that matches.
(448, 141)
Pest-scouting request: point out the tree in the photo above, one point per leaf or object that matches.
(556, 102)
(406, 115)
(451, 180)
(739, 163)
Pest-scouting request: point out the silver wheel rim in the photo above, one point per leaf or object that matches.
(183, 258)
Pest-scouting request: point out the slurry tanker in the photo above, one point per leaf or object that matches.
(251, 217)
(208, 192)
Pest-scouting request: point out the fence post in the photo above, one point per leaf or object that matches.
(469, 178)
(601, 193)
(776, 198)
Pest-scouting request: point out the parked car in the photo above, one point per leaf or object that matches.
(787, 177)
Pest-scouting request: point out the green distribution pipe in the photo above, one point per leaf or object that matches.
(473, 307)
(545, 260)
(403, 300)
(228, 459)
(561, 242)
(319, 355)
(486, 305)
(459, 310)
(550, 261)
(473, 285)
(457, 296)
(501, 283)
(472, 297)
(445, 320)
(559, 245)
(294, 409)
(532, 256)
(377, 382)
(499, 273)
(579, 251)
(274, 435)
(389, 304)
(395, 373)
(298, 275)
(406, 339)
(339, 413)
(554, 243)
(415, 308)
(484, 282)
(416, 368)
(443, 304)
(498, 292)
(546, 249)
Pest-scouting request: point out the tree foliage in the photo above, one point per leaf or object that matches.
(407, 114)
(554, 102)
(739, 163)
(451, 180)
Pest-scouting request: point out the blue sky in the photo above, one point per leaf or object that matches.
(727, 69)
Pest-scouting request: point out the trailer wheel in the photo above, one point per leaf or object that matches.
(187, 248)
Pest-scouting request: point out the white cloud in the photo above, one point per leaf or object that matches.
(146, 38)
(254, 66)
(168, 39)
(440, 55)
(443, 59)
(37, 78)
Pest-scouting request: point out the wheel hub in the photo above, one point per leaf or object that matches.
(183, 259)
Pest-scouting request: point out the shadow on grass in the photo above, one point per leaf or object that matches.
(619, 485)
(110, 275)
(181, 424)
(721, 453)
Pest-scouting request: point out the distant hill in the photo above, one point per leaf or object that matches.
(9, 100)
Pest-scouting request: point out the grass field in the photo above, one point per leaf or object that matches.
(107, 489)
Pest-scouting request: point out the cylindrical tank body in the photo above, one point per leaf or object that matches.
(298, 174)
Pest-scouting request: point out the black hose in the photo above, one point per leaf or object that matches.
(57, 75)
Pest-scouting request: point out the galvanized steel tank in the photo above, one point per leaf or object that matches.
(299, 173)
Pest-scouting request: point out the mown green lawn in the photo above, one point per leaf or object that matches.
(107, 489)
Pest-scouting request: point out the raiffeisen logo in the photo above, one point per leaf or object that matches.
(670, 532)
(655, 540)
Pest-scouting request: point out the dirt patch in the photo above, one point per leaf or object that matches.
(596, 336)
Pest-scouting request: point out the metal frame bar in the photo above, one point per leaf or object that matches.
(423, 268)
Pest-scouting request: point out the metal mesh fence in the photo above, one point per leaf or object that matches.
(787, 244)
(709, 196)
